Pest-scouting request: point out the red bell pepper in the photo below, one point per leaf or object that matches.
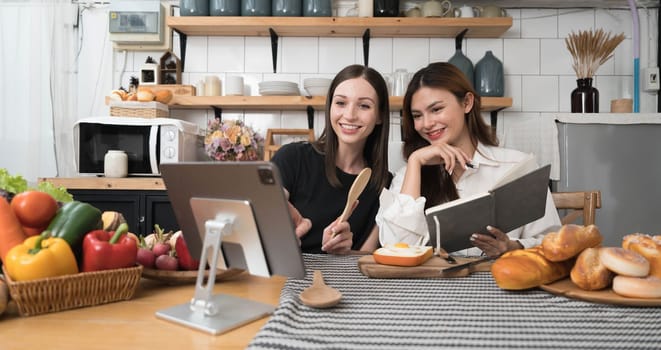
(186, 261)
(104, 250)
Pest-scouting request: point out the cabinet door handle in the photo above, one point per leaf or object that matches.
(141, 219)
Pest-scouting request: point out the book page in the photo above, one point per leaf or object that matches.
(456, 202)
(526, 165)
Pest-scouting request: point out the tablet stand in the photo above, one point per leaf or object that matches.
(215, 314)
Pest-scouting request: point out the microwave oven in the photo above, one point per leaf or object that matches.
(147, 143)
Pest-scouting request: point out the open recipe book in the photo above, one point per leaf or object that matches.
(518, 198)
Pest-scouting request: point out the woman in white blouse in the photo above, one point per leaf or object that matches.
(451, 153)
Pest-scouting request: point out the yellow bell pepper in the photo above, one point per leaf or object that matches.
(40, 257)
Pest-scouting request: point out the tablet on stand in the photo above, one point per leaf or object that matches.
(229, 218)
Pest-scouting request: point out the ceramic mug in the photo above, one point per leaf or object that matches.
(490, 11)
(452, 12)
(413, 12)
(344, 8)
(436, 8)
(234, 86)
(466, 11)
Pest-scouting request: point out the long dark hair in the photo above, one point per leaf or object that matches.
(436, 184)
(376, 147)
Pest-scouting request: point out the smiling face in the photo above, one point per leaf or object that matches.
(438, 116)
(354, 112)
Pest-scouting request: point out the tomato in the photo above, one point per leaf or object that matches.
(34, 208)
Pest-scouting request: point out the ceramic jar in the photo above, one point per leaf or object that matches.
(489, 76)
(115, 164)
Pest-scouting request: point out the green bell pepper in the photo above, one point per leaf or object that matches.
(73, 221)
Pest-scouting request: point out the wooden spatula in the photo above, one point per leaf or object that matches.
(356, 189)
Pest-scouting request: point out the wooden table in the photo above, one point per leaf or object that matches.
(132, 324)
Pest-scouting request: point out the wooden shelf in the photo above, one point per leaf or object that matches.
(104, 183)
(340, 26)
(489, 104)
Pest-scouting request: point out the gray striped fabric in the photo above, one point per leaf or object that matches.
(467, 312)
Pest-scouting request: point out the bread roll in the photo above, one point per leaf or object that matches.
(145, 95)
(163, 96)
(570, 241)
(637, 287)
(401, 254)
(625, 262)
(527, 268)
(589, 273)
(646, 246)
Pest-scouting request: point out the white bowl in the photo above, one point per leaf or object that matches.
(317, 90)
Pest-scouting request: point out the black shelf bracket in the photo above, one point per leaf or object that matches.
(366, 46)
(274, 48)
(310, 111)
(183, 39)
(218, 113)
(494, 119)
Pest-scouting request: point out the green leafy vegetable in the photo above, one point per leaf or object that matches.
(12, 184)
(59, 193)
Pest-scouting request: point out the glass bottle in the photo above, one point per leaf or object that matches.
(585, 98)
(115, 164)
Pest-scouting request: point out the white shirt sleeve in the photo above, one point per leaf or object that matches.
(401, 217)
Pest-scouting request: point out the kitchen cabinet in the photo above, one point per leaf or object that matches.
(141, 209)
(143, 201)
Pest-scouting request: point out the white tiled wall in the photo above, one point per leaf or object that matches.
(537, 64)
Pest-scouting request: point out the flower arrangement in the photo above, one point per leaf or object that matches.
(232, 140)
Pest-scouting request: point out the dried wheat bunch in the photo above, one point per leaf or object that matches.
(590, 50)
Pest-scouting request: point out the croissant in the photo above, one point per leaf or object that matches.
(527, 268)
(569, 241)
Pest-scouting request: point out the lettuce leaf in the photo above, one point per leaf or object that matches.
(59, 193)
(12, 184)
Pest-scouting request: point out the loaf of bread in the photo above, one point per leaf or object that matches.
(646, 246)
(527, 268)
(569, 241)
(589, 273)
(401, 254)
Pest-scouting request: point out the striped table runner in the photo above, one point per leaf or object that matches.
(467, 312)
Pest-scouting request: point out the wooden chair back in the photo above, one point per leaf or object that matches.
(578, 204)
(270, 147)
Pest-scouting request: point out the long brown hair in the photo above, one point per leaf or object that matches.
(376, 147)
(436, 184)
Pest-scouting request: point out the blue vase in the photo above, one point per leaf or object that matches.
(464, 64)
(489, 76)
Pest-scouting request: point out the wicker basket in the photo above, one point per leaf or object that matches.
(139, 109)
(73, 291)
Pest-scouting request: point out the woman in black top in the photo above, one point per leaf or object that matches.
(318, 175)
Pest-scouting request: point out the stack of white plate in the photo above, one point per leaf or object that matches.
(278, 88)
(316, 86)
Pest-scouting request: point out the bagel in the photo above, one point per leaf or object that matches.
(636, 287)
(646, 246)
(625, 262)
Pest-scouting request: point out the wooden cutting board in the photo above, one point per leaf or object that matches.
(432, 268)
(568, 289)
